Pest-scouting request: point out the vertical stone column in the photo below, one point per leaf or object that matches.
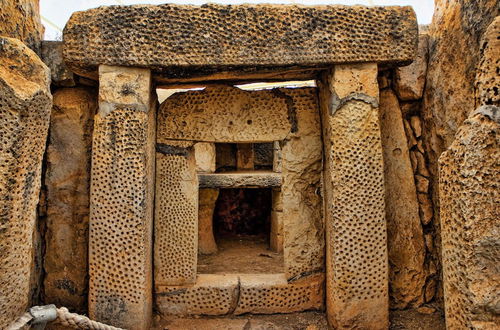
(67, 181)
(25, 104)
(357, 270)
(121, 199)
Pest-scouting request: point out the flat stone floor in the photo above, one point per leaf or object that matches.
(241, 255)
(400, 320)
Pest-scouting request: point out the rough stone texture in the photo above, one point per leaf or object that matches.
(176, 216)
(244, 179)
(206, 240)
(204, 154)
(211, 295)
(271, 293)
(25, 104)
(356, 242)
(52, 57)
(410, 80)
(276, 233)
(245, 156)
(225, 114)
(449, 91)
(469, 196)
(253, 35)
(67, 182)
(121, 199)
(215, 294)
(488, 74)
(406, 246)
(303, 225)
(20, 19)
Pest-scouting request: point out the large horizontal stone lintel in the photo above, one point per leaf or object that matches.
(247, 179)
(179, 39)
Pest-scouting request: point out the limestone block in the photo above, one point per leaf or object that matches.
(20, 19)
(277, 158)
(271, 293)
(176, 216)
(225, 114)
(426, 210)
(470, 230)
(406, 247)
(210, 295)
(245, 156)
(410, 80)
(277, 203)
(303, 226)
(206, 240)
(276, 234)
(356, 242)
(204, 154)
(121, 199)
(487, 77)
(237, 35)
(52, 57)
(25, 104)
(416, 125)
(67, 182)
(247, 179)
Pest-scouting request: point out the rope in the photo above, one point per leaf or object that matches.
(21, 322)
(66, 318)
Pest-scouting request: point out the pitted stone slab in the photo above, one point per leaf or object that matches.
(182, 36)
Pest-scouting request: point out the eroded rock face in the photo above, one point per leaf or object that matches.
(454, 56)
(52, 57)
(410, 80)
(68, 187)
(488, 74)
(25, 105)
(20, 19)
(406, 245)
(469, 197)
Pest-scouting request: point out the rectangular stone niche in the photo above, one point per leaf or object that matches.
(242, 222)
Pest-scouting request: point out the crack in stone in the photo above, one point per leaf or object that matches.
(337, 103)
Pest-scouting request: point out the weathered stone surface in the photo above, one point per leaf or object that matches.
(245, 156)
(204, 154)
(488, 74)
(67, 182)
(449, 89)
(176, 216)
(20, 19)
(356, 243)
(410, 80)
(206, 207)
(226, 114)
(469, 197)
(25, 104)
(121, 199)
(52, 56)
(303, 224)
(276, 232)
(237, 35)
(210, 295)
(405, 237)
(271, 293)
(244, 179)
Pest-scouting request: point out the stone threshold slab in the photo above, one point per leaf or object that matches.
(247, 179)
(224, 294)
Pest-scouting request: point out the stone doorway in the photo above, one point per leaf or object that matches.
(224, 157)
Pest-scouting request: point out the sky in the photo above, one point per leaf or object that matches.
(55, 13)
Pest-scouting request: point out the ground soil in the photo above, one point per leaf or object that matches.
(400, 320)
(241, 255)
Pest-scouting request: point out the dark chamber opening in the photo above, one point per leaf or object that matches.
(243, 212)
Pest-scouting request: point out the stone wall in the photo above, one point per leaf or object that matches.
(409, 212)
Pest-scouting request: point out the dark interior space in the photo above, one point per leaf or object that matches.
(242, 228)
(226, 156)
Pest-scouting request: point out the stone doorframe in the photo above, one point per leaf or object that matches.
(132, 48)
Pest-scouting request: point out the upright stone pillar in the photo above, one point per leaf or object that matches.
(121, 199)
(357, 271)
(25, 104)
